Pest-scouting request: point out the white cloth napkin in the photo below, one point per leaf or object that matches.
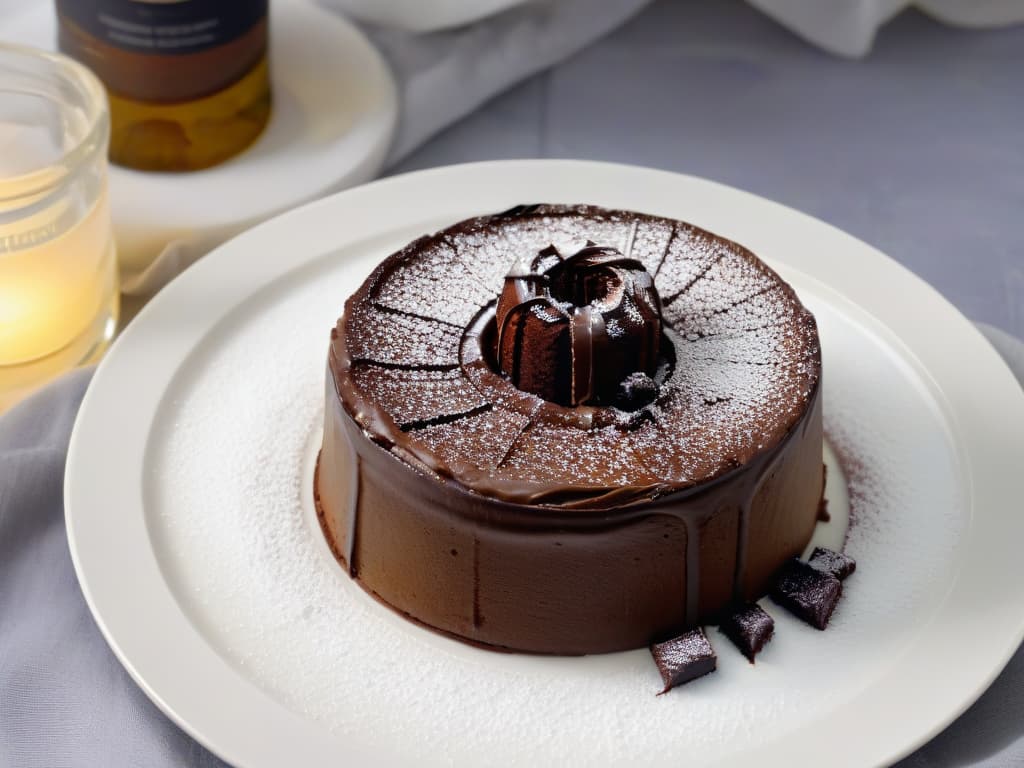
(848, 27)
(844, 27)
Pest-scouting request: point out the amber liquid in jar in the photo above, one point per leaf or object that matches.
(188, 80)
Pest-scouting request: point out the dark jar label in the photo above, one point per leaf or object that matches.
(164, 27)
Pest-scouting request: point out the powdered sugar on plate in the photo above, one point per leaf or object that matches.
(228, 503)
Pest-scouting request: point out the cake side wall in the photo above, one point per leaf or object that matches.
(337, 480)
(570, 590)
(784, 511)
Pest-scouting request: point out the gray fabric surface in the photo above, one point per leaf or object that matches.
(66, 701)
(444, 75)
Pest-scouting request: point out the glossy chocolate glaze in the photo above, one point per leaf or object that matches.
(510, 521)
(571, 329)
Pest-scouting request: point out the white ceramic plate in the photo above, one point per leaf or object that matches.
(335, 109)
(188, 514)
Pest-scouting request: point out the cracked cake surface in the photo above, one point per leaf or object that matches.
(746, 361)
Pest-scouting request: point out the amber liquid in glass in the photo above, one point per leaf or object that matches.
(188, 80)
(58, 262)
(58, 293)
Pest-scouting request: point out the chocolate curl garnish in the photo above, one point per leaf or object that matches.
(572, 330)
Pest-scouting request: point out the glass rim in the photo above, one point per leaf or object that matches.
(94, 138)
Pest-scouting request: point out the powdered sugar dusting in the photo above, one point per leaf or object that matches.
(691, 253)
(746, 350)
(484, 436)
(489, 253)
(651, 241)
(395, 339)
(715, 398)
(227, 501)
(427, 281)
(415, 395)
(728, 281)
(605, 457)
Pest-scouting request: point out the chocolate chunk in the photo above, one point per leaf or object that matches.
(750, 628)
(831, 562)
(684, 658)
(807, 593)
(636, 390)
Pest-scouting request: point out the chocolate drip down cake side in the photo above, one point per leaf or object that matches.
(570, 430)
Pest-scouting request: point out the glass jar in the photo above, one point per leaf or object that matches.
(58, 276)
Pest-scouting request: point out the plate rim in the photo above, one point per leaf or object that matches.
(132, 360)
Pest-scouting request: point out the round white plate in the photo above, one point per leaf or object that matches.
(335, 109)
(190, 524)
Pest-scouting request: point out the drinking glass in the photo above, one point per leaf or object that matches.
(58, 274)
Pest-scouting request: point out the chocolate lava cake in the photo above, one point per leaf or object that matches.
(570, 430)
